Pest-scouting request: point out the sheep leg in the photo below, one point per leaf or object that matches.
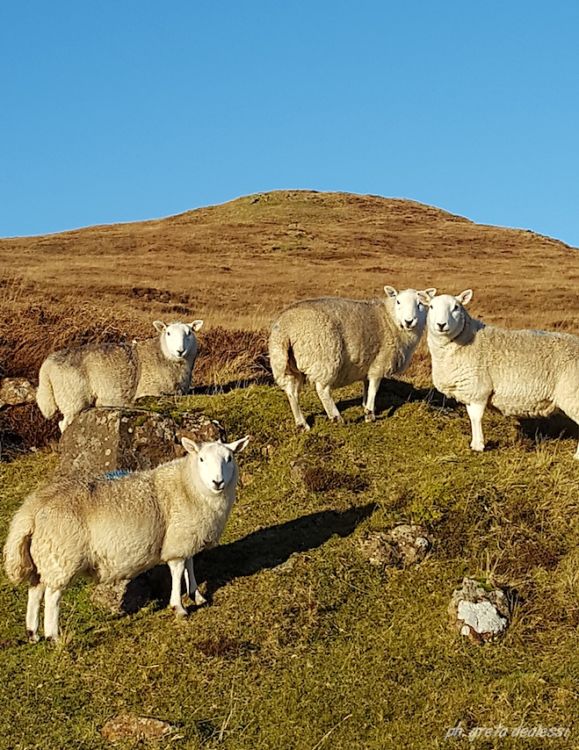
(177, 568)
(370, 401)
(570, 408)
(328, 402)
(292, 391)
(192, 587)
(35, 595)
(51, 611)
(475, 413)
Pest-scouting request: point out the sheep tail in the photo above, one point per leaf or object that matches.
(281, 355)
(45, 392)
(18, 562)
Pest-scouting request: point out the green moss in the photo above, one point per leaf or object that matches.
(327, 651)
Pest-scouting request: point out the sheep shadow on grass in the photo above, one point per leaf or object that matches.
(393, 394)
(556, 426)
(261, 550)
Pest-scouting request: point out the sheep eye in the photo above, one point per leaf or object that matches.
(397, 301)
(228, 459)
(200, 459)
(168, 333)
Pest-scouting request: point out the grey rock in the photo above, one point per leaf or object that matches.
(400, 547)
(479, 612)
(102, 440)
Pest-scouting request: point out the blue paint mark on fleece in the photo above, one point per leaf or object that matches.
(117, 474)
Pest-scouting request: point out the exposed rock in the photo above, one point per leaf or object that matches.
(401, 546)
(102, 440)
(478, 612)
(129, 726)
(16, 391)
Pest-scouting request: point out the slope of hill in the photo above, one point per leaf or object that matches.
(239, 262)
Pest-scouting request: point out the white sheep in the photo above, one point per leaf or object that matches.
(71, 380)
(114, 530)
(522, 373)
(334, 342)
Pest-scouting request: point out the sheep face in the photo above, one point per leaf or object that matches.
(410, 306)
(177, 339)
(446, 316)
(215, 462)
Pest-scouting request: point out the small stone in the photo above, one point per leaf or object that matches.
(16, 391)
(478, 612)
(401, 546)
(128, 726)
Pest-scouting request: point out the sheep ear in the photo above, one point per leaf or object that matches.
(159, 325)
(190, 445)
(196, 325)
(464, 297)
(238, 445)
(390, 291)
(426, 295)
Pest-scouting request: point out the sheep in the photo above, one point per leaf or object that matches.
(71, 380)
(334, 342)
(523, 373)
(114, 530)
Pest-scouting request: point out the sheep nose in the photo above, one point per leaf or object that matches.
(441, 326)
(180, 352)
(409, 323)
(218, 484)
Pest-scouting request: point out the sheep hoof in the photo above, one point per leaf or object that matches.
(479, 447)
(337, 419)
(303, 427)
(369, 416)
(199, 599)
(32, 637)
(180, 610)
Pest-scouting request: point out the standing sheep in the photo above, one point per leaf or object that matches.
(114, 530)
(521, 373)
(334, 342)
(71, 380)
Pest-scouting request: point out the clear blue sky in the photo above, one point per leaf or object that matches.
(114, 111)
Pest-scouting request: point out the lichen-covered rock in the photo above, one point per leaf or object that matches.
(478, 612)
(16, 391)
(401, 546)
(413, 542)
(104, 439)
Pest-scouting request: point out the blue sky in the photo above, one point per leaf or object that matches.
(126, 110)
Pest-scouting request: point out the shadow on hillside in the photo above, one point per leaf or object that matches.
(393, 394)
(232, 385)
(260, 550)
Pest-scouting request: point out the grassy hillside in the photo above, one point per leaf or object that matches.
(306, 645)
